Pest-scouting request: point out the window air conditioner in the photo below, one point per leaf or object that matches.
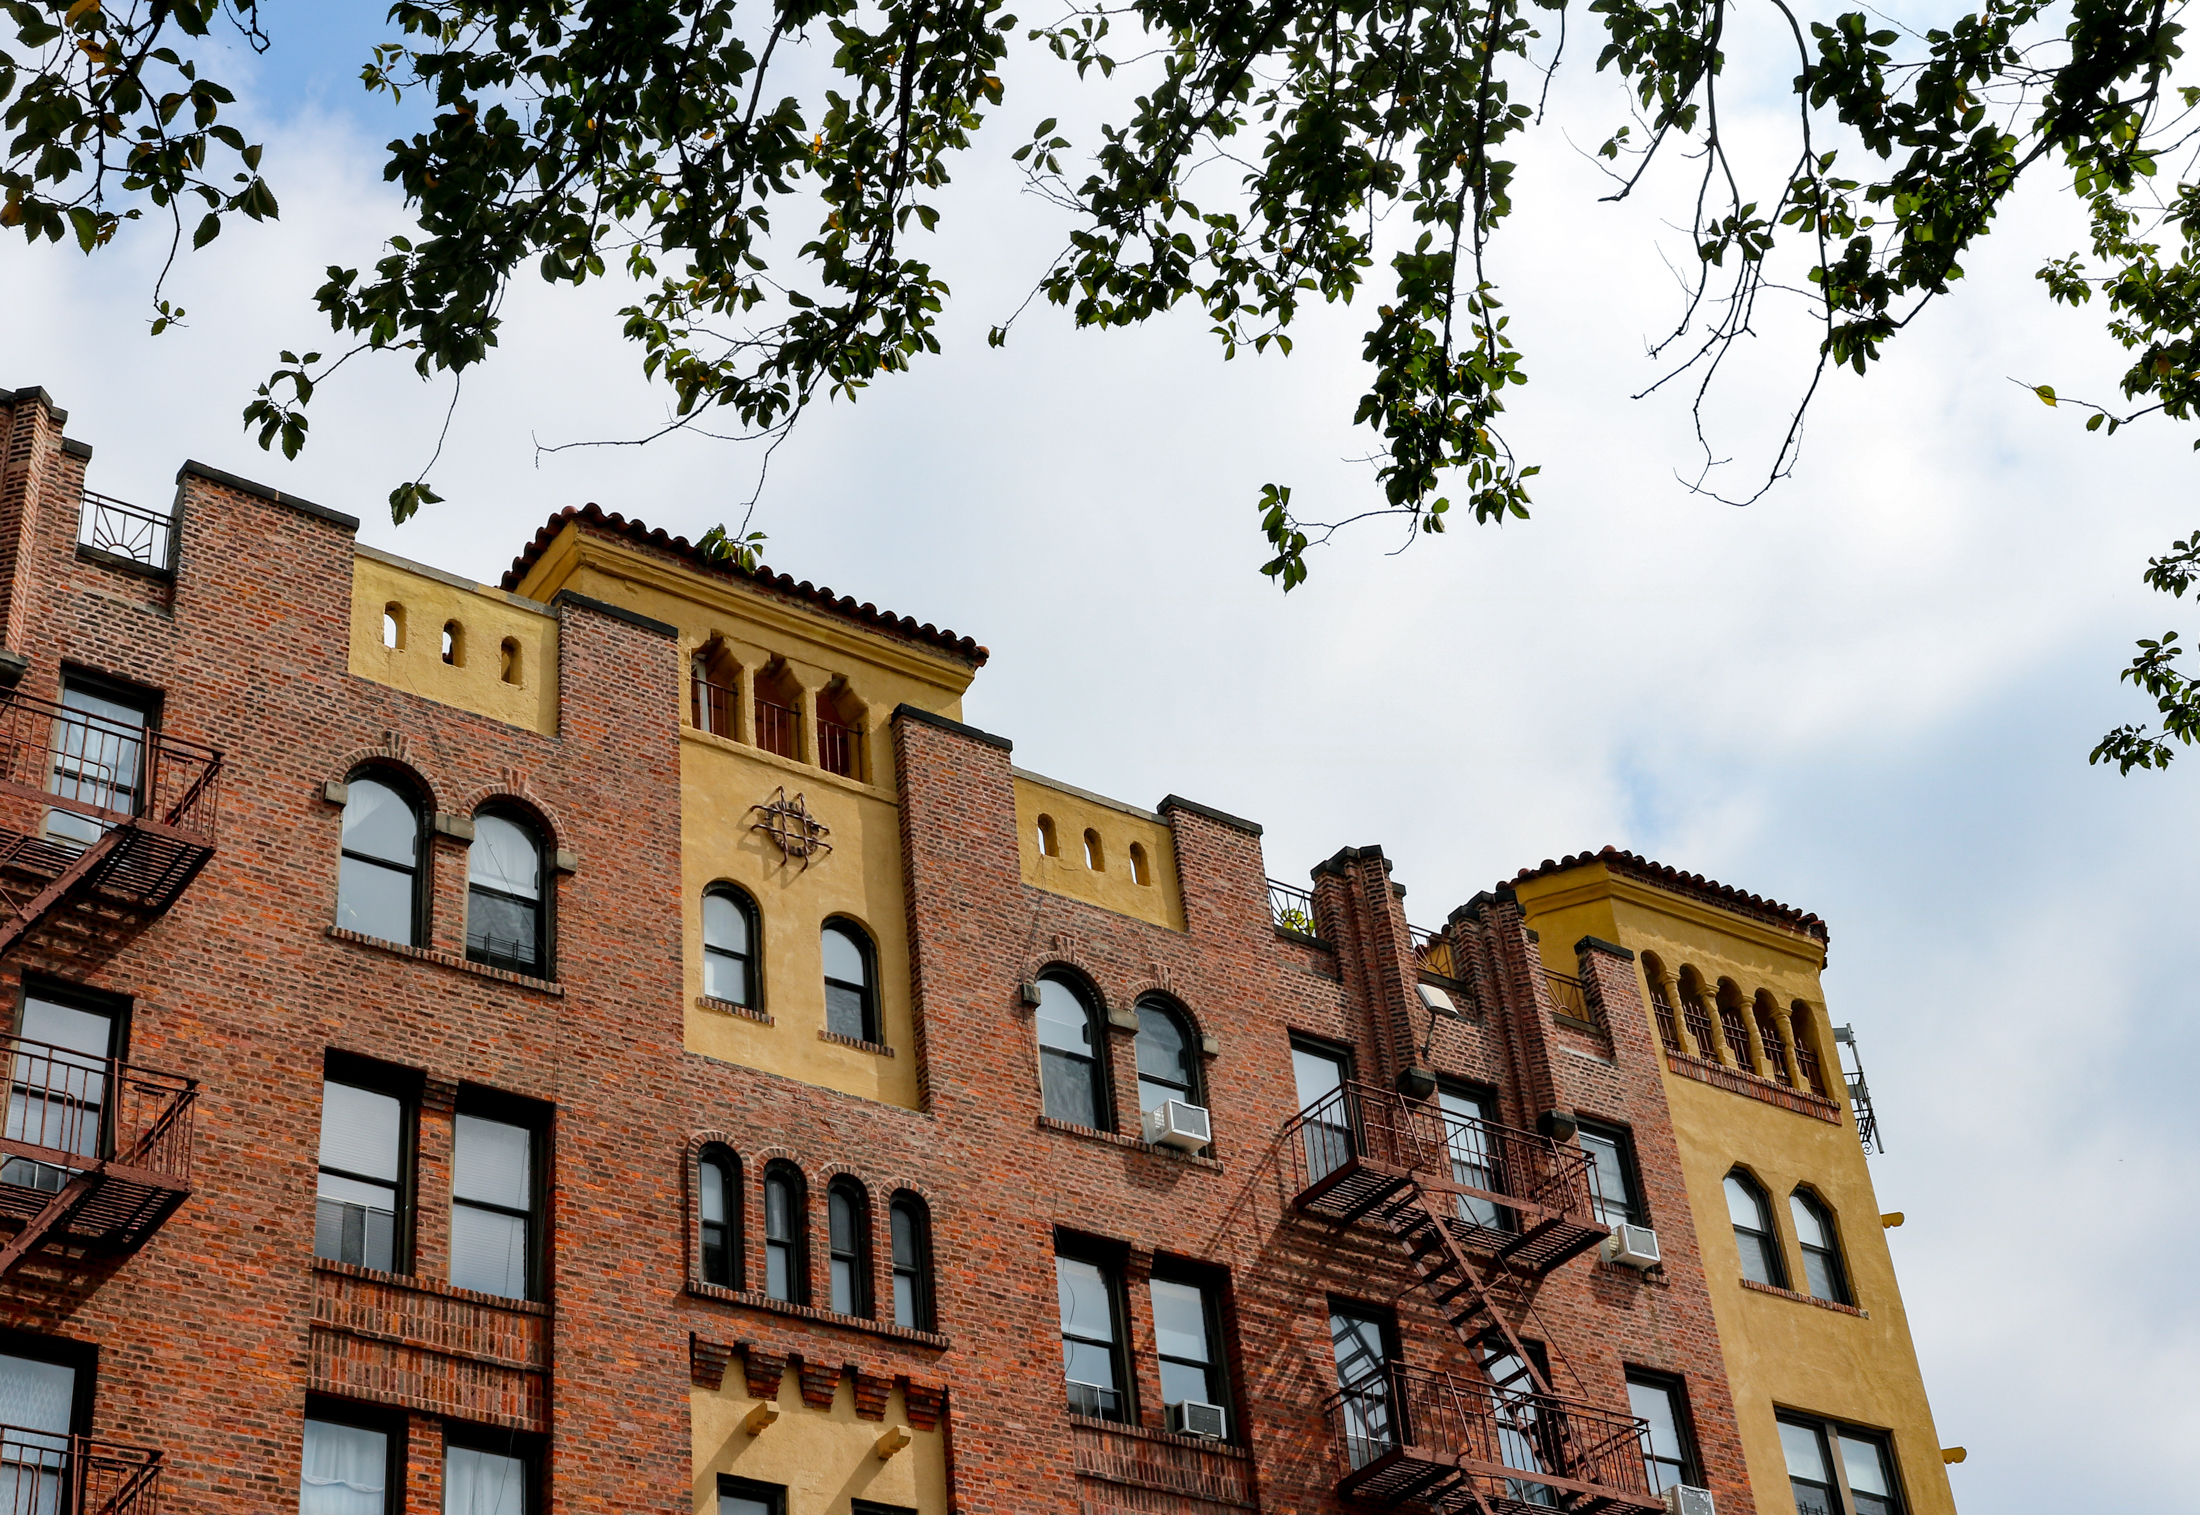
(1687, 1499)
(1633, 1247)
(1192, 1418)
(1176, 1124)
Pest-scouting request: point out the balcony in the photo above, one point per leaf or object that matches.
(1410, 1436)
(1367, 1154)
(96, 1152)
(43, 1471)
(90, 807)
(126, 535)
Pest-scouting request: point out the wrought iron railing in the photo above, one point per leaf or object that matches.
(1668, 1031)
(1291, 909)
(1737, 1038)
(1519, 1437)
(711, 707)
(776, 728)
(1699, 1027)
(1807, 1060)
(75, 1109)
(106, 770)
(1363, 1122)
(127, 531)
(840, 749)
(1571, 997)
(1776, 1052)
(52, 1473)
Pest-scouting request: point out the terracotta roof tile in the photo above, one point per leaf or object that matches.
(1695, 884)
(815, 597)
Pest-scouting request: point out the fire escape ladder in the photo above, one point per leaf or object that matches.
(1454, 1279)
(56, 894)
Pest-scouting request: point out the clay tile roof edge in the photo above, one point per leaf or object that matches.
(1709, 890)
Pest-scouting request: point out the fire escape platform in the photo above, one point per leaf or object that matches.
(1443, 1479)
(1532, 1240)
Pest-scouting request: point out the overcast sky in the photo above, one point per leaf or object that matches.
(1870, 695)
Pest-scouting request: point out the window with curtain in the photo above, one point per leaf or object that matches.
(378, 876)
(481, 1482)
(851, 982)
(718, 1206)
(1089, 1296)
(1822, 1269)
(1168, 1060)
(912, 1228)
(1612, 1187)
(1072, 1042)
(505, 923)
(848, 1238)
(1187, 1330)
(730, 946)
(344, 1469)
(493, 1207)
(785, 1229)
(1669, 1451)
(1754, 1237)
(359, 1204)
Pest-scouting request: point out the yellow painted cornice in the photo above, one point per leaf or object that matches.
(1597, 881)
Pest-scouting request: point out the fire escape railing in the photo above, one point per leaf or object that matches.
(1452, 1442)
(47, 1473)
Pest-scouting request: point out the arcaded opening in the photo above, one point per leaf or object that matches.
(1049, 844)
(778, 709)
(841, 718)
(1095, 858)
(393, 626)
(508, 659)
(454, 644)
(1141, 873)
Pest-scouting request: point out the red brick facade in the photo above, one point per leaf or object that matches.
(212, 1336)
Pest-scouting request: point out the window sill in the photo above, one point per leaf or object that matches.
(793, 766)
(449, 960)
(1132, 1144)
(1755, 1086)
(877, 1049)
(728, 1007)
(752, 1301)
(1804, 1299)
(435, 1286)
(1163, 1438)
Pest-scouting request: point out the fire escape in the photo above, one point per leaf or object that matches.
(1484, 1212)
(101, 825)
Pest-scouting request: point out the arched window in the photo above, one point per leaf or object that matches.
(508, 660)
(1767, 1014)
(1698, 1019)
(1822, 1269)
(840, 722)
(454, 644)
(786, 1233)
(1141, 870)
(1095, 858)
(718, 1206)
(1732, 1026)
(1049, 844)
(378, 879)
(851, 982)
(1806, 1048)
(1753, 1234)
(730, 943)
(912, 1225)
(393, 626)
(1661, 1002)
(504, 914)
(1072, 1078)
(848, 1236)
(1168, 1063)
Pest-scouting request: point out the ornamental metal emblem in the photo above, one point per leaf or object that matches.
(796, 832)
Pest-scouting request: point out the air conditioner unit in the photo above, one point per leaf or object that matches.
(1633, 1247)
(1192, 1418)
(1176, 1124)
(1687, 1499)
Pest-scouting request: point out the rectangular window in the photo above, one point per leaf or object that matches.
(495, 1203)
(873, 1507)
(1837, 1469)
(496, 1478)
(57, 1084)
(1187, 1329)
(45, 1397)
(349, 1462)
(745, 1496)
(1613, 1187)
(362, 1208)
(1363, 1339)
(1090, 1296)
(1468, 1113)
(1670, 1452)
(97, 757)
(1322, 1073)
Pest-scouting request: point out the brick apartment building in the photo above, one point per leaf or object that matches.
(620, 1042)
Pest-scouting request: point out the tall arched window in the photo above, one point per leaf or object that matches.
(912, 1226)
(1806, 1048)
(1822, 1269)
(1661, 1002)
(1767, 1014)
(1698, 1020)
(1072, 1042)
(1096, 857)
(1732, 1026)
(378, 880)
(1141, 872)
(1168, 1063)
(1050, 844)
(786, 1231)
(1753, 1234)
(730, 943)
(848, 1234)
(851, 982)
(504, 915)
(718, 1207)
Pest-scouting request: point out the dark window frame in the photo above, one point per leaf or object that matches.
(848, 1188)
(1102, 1071)
(391, 1423)
(773, 1496)
(722, 1157)
(752, 961)
(1675, 1388)
(1213, 1284)
(1775, 1251)
(1837, 1267)
(65, 1351)
(117, 1010)
(149, 701)
(538, 1121)
(920, 1273)
(874, 1030)
(405, 1085)
(407, 787)
(1630, 1166)
(1195, 1089)
(1111, 1259)
(525, 1446)
(779, 1170)
(873, 1507)
(1829, 1431)
(546, 892)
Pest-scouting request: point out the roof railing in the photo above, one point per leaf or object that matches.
(1292, 909)
(123, 530)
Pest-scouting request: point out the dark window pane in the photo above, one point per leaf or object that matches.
(380, 823)
(1066, 1084)
(1164, 1059)
(355, 1222)
(844, 1011)
(374, 901)
(501, 930)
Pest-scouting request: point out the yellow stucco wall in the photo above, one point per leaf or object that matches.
(1110, 886)
(1780, 1353)
(724, 777)
(427, 599)
(824, 1459)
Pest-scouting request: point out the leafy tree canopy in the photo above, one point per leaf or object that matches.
(666, 135)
